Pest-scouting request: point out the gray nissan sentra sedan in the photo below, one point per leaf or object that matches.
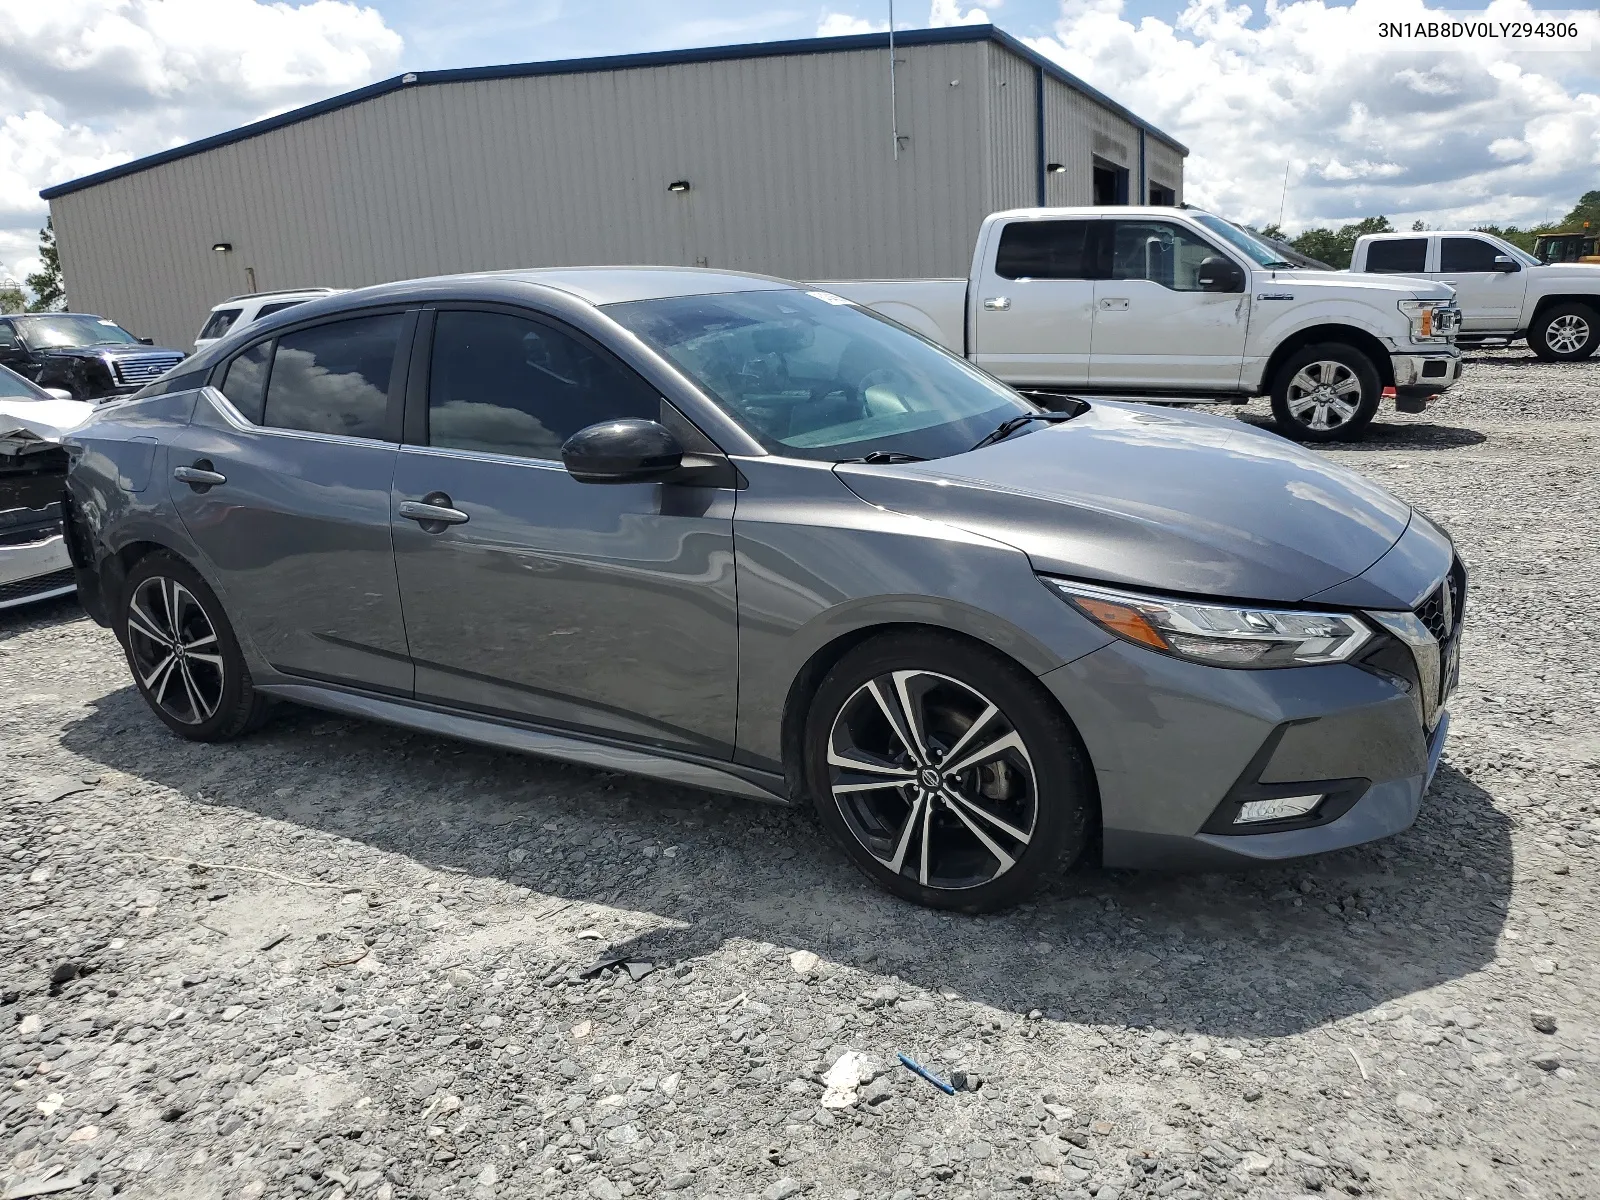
(729, 532)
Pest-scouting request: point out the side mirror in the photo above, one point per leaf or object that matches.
(147, 341)
(1218, 274)
(623, 451)
(1506, 264)
(59, 394)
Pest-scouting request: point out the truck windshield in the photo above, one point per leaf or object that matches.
(60, 331)
(1263, 254)
(813, 376)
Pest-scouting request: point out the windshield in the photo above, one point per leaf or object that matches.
(1263, 254)
(61, 331)
(15, 387)
(813, 376)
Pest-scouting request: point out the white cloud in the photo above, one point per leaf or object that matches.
(1479, 134)
(93, 83)
(843, 25)
(948, 12)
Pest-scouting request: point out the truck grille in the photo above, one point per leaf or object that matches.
(140, 369)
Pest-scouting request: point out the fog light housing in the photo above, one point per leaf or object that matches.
(1279, 808)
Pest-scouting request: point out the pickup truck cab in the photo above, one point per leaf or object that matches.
(1176, 304)
(1504, 293)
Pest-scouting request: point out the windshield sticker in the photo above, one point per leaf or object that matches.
(830, 298)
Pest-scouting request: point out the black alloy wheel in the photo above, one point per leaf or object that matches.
(183, 654)
(946, 773)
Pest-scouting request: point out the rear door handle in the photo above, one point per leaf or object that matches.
(1113, 303)
(200, 476)
(433, 509)
(997, 303)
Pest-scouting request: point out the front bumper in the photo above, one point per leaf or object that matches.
(1176, 744)
(1424, 375)
(35, 571)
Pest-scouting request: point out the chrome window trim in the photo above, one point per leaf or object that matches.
(224, 407)
(510, 460)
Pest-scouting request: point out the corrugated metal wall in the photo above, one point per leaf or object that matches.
(1013, 132)
(789, 160)
(1165, 165)
(1077, 131)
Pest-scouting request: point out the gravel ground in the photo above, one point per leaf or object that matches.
(337, 960)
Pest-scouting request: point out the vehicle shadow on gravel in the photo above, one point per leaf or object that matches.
(1420, 435)
(39, 615)
(1273, 951)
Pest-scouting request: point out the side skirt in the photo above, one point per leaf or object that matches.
(605, 756)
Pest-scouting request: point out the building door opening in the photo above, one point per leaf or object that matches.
(1110, 183)
(1163, 196)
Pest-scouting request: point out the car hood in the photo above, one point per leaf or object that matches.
(1588, 274)
(1404, 287)
(50, 419)
(113, 350)
(1156, 499)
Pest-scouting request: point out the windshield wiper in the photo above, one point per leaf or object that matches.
(1278, 262)
(1006, 428)
(887, 456)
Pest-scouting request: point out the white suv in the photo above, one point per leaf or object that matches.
(241, 310)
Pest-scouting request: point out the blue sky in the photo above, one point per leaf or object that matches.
(1452, 135)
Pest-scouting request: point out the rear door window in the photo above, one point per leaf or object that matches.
(1046, 250)
(221, 321)
(504, 384)
(1467, 254)
(1398, 256)
(334, 378)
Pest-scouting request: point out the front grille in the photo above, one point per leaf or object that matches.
(39, 586)
(1441, 611)
(140, 369)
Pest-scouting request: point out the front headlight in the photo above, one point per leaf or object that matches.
(1222, 635)
(1431, 320)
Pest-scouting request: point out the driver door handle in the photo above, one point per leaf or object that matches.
(1114, 302)
(424, 513)
(199, 476)
(997, 303)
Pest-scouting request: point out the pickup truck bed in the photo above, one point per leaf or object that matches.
(935, 308)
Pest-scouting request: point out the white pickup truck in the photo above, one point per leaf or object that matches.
(1503, 292)
(1177, 304)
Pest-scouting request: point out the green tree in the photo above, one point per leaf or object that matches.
(1587, 209)
(1522, 239)
(1335, 246)
(48, 288)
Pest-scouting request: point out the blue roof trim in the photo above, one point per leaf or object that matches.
(615, 62)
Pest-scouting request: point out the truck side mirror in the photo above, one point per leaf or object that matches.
(1505, 264)
(1218, 274)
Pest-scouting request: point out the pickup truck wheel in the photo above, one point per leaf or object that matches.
(1325, 393)
(1565, 333)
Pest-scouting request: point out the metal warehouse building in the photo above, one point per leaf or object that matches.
(803, 159)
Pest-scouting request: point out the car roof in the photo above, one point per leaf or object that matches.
(593, 285)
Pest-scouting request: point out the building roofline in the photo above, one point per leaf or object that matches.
(615, 62)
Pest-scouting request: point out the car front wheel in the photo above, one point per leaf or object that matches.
(183, 654)
(946, 773)
(1325, 393)
(1565, 333)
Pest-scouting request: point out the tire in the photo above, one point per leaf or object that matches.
(1565, 332)
(1339, 414)
(204, 694)
(1031, 800)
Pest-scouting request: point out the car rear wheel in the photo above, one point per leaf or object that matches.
(946, 772)
(1565, 333)
(1326, 393)
(183, 654)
